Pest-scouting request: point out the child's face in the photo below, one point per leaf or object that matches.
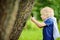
(43, 16)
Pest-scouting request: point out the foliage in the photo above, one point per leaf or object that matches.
(55, 4)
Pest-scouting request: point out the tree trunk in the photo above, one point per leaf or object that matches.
(13, 16)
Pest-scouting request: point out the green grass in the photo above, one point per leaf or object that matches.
(31, 35)
(59, 30)
(32, 32)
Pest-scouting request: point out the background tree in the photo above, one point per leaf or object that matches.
(13, 16)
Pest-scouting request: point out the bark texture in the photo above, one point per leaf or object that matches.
(13, 16)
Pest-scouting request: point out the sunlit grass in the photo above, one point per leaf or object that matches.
(31, 35)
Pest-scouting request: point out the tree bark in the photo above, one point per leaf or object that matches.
(13, 17)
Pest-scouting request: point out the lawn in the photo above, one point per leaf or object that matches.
(32, 32)
(31, 35)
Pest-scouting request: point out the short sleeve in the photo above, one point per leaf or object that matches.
(48, 22)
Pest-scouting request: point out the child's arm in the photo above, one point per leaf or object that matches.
(40, 25)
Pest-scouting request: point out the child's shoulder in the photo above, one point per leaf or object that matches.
(49, 19)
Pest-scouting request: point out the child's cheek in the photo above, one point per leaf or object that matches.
(44, 18)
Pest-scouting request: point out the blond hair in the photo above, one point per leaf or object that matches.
(48, 11)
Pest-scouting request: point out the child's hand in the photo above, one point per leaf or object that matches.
(32, 18)
(39, 24)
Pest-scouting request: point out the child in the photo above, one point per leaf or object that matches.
(50, 30)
